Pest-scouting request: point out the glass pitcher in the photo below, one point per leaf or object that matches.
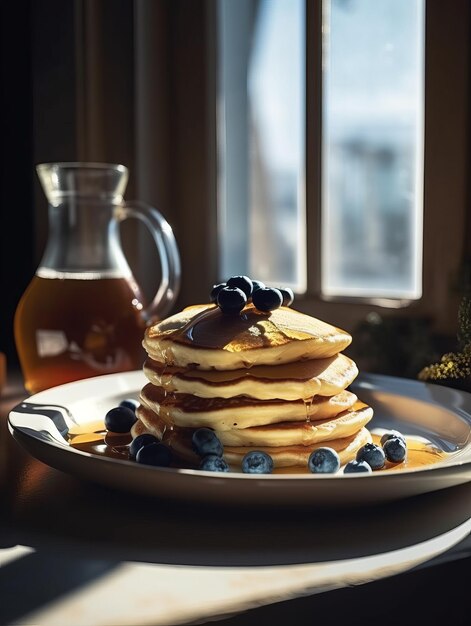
(83, 313)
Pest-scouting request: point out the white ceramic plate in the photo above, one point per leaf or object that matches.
(440, 415)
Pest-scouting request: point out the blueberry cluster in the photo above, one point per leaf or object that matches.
(207, 446)
(149, 450)
(145, 449)
(369, 457)
(372, 456)
(394, 446)
(232, 296)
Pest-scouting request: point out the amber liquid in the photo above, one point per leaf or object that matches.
(94, 439)
(67, 329)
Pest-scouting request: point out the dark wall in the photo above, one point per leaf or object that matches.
(17, 175)
(48, 77)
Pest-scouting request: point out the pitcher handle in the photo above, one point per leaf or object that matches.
(164, 239)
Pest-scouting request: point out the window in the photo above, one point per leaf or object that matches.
(372, 148)
(371, 145)
(155, 111)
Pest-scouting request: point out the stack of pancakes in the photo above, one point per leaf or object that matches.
(262, 381)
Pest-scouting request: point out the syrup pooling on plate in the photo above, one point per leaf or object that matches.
(94, 439)
(420, 453)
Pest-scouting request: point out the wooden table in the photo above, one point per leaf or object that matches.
(75, 553)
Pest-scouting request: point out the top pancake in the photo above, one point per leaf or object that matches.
(204, 338)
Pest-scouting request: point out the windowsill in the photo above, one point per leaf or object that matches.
(384, 303)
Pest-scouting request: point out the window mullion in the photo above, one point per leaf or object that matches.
(313, 143)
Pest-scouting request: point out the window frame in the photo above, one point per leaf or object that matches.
(168, 110)
(444, 237)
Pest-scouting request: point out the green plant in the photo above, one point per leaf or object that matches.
(455, 366)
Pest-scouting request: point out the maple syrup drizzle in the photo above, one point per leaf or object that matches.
(308, 407)
(211, 328)
(94, 439)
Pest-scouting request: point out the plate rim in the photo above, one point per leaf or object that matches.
(442, 466)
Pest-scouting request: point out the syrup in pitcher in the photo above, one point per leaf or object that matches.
(83, 313)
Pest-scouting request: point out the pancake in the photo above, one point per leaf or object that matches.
(221, 414)
(146, 423)
(203, 337)
(287, 381)
(297, 456)
(302, 433)
(283, 456)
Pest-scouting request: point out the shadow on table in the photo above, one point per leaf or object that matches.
(99, 523)
(32, 581)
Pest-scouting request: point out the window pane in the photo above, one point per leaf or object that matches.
(373, 101)
(261, 140)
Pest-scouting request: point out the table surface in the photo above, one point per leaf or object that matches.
(77, 553)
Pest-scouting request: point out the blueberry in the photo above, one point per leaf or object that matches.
(241, 282)
(130, 403)
(256, 285)
(390, 434)
(372, 454)
(139, 442)
(287, 295)
(267, 299)
(257, 462)
(120, 419)
(356, 467)
(395, 450)
(157, 454)
(214, 463)
(231, 300)
(215, 290)
(324, 461)
(205, 441)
